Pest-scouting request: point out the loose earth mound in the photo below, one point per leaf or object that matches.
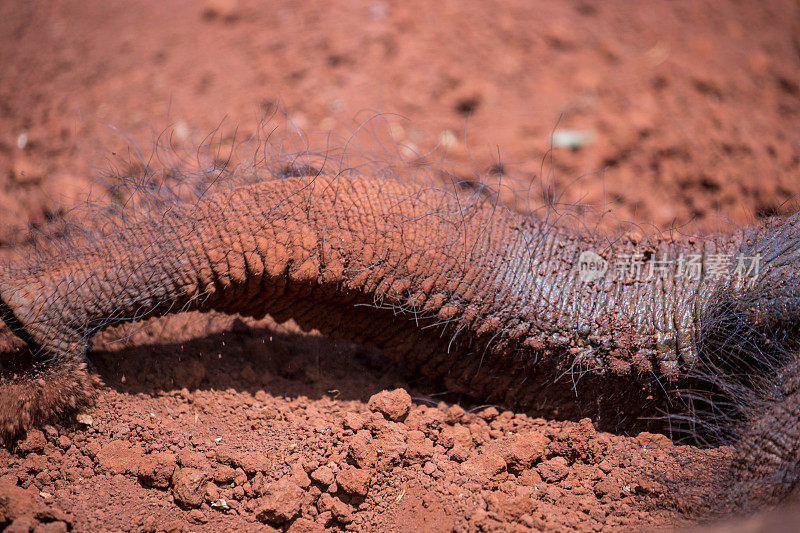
(680, 113)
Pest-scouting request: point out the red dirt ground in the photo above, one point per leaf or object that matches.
(211, 422)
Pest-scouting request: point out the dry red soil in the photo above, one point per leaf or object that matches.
(208, 422)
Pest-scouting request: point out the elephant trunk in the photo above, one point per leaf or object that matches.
(456, 287)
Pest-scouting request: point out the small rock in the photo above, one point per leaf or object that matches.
(325, 502)
(419, 447)
(253, 462)
(353, 421)
(34, 442)
(212, 492)
(554, 469)
(280, 503)
(459, 454)
(571, 138)
(220, 504)
(362, 449)
(239, 477)
(394, 405)
(608, 486)
(156, 469)
(342, 512)
(455, 435)
(353, 480)
(323, 475)
(226, 454)
(84, 419)
(489, 414)
(455, 414)
(299, 476)
(529, 478)
(188, 487)
(522, 451)
(325, 518)
(224, 474)
(196, 516)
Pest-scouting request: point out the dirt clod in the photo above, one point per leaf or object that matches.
(553, 470)
(353, 480)
(323, 475)
(156, 469)
(281, 502)
(34, 441)
(188, 486)
(394, 405)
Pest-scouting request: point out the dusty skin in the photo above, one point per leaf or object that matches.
(691, 106)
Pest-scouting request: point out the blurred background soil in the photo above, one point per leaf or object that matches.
(662, 114)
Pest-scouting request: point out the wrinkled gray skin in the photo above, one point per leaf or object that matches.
(457, 288)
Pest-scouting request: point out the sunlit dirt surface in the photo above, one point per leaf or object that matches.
(681, 113)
